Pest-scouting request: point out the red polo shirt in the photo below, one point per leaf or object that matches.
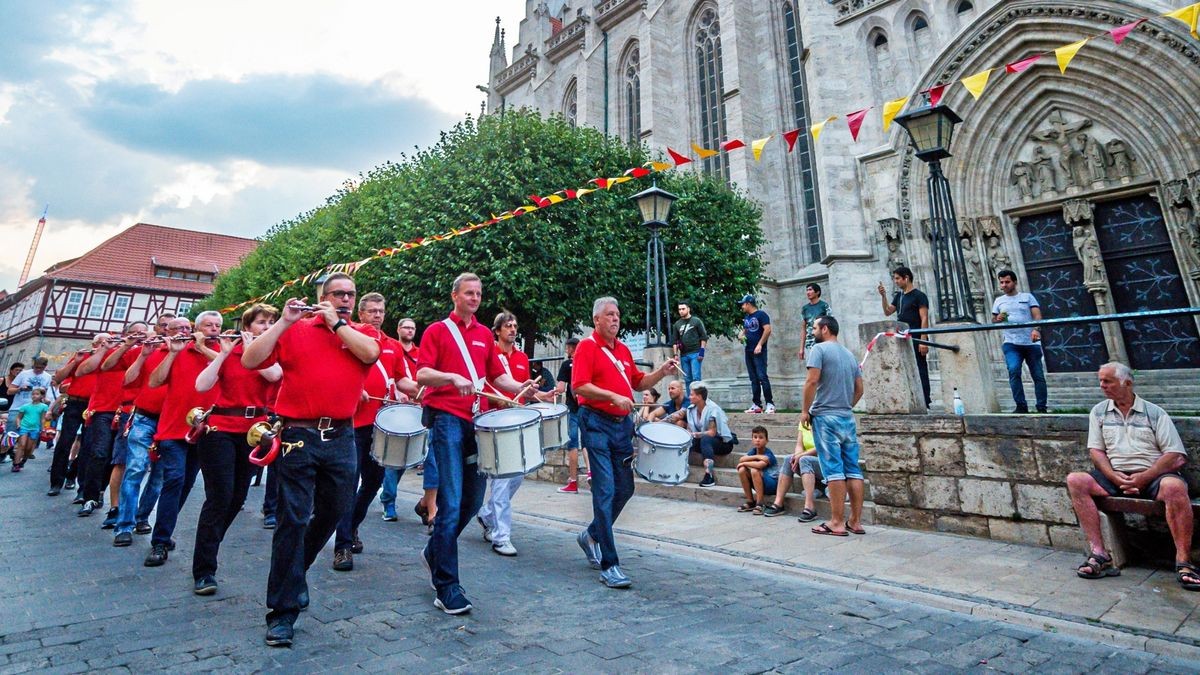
(149, 400)
(518, 368)
(321, 376)
(406, 363)
(82, 386)
(240, 388)
(109, 392)
(592, 366)
(440, 352)
(378, 383)
(181, 394)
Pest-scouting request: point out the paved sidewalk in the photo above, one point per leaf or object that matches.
(1034, 586)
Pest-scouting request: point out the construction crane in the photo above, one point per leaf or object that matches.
(37, 238)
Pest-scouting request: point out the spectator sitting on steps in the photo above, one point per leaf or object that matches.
(802, 462)
(758, 471)
(1138, 453)
(709, 426)
(676, 401)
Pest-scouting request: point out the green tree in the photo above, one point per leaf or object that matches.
(546, 267)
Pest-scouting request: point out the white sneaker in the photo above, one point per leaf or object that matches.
(770, 409)
(487, 531)
(504, 548)
(754, 410)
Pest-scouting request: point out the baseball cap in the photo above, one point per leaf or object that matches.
(747, 298)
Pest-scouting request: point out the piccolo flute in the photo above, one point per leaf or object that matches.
(314, 308)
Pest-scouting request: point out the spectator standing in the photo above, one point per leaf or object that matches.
(833, 386)
(756, 331)
(690, 339)
(809, 313)
(21, 387)
(6, 382)
(1021, 345)
(910, 305)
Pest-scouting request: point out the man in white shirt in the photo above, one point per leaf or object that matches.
(1021, 345)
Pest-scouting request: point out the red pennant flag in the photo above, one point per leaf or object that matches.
(638, 172)
(600, 182)
(732, 145)
(569, 193)
(854, 120)
(790, 137)
(1022, 65)
(679, 159)
(935, 94)
(1121, 32)
(542, 202)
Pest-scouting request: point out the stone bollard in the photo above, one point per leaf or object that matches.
(969, 370)
(891, 384)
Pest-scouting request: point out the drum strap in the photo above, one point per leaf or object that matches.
(466, 356)
(389, 383)
(615, 362)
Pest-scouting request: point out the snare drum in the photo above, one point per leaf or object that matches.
(509, 442)
(400, 438)
(555, 424)
(662, 453)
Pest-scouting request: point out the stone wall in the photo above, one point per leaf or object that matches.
(994, 476)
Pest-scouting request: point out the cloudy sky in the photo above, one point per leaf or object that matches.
(227, 116)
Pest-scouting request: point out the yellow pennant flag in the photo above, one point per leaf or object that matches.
(1189, 15)
(757, 146)
(661, 166)
(1065, 53)
(977, 82)
(819, 126)
(704, 153)
(891, 109)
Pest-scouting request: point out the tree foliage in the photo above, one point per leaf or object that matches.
(546, 267)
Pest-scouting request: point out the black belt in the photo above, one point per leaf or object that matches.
(606, 416)
(322, 423)
(248, 412)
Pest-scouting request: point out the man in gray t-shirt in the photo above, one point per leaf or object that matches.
(832, 388)
(1021, 345)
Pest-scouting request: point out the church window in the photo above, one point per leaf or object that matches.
(922, 38)
(810, 219)
(883, 66)
(570, 108)
(710, 87)
(964, 7)
(632, 93)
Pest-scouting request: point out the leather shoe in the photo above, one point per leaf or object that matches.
(343, 560)
(123, 539)
(156, 557)
(356, 545)
(280, 635)
(205, 585)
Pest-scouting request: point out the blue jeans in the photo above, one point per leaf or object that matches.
(180, 464)
(690, 365)
(609, 444)
(429, 478)
(1031, 355)
(837, 446)
(137, 463)
(460, 491)
(760, 384)
(391, 481)
(316, 486)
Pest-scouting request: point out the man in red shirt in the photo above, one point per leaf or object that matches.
(62, 469)
(325, 361)
(604, 378)
(180, 464)
(457, 354)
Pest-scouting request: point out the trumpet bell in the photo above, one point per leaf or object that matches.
(194, 415)
(256, 432)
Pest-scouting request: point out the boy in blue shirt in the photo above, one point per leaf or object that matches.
(29, 425)
(759, 472)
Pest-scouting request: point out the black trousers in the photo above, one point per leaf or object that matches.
(99, 439)
(371, 474)
(72, 419)
(225, 464)
(923, 371)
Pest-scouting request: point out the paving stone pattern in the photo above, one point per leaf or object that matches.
(73, 603)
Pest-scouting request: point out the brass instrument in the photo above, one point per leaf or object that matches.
(195, 419)
(264, 441)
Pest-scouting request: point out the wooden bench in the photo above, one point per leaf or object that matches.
(1114, 529)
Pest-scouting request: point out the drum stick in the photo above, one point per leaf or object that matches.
(498, 399)
(420, 393)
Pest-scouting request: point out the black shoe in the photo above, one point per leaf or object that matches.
(1043, 411)
(142, 528)
(356, 545)
(87, 508)
(70, 485)
(280, 635)
(156, 557)
(343, 560)
(110, 520)
(205, 585)
(170, 544)
(708, 480)
(303, 600)
(771, 510)
(52, 492)
(1021, 411)
(123, 539)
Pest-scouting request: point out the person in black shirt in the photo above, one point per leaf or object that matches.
(911, 306)
(564, 387)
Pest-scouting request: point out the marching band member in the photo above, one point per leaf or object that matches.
(223, 451)
(406, 383)
(456, 354)
(604, 378)
(74, 424)
(325, 361)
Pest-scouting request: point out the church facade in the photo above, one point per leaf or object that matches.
(1086, 183)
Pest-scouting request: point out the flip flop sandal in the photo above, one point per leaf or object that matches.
(823, 528)
(758, 509)
(854, 531)
(1187, 570)
(1098, 566)
(747, 507)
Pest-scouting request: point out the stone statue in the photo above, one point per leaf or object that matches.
(1069, 157)
(996, 254)
(1094, 157)
(1022, 178)
(1044, 172)
(1186, 225)
(1087, 249)
(1119, 158)
(1073, 162)
(974, 267)
(893, 232)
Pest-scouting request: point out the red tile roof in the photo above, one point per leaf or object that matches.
(129, 258)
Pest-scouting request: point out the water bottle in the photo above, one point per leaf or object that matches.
(959, 409)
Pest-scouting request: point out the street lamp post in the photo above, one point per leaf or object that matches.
(930, 130)
(655, 205)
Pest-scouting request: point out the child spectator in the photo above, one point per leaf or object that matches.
(29, 426)
(6, 443)
(804, 462)
(759, 472)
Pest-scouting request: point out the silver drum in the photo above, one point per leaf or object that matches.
(509, 442)
(400, 438)
(555, 424)
(662, 453)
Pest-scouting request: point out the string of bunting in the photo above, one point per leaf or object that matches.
(974, 84)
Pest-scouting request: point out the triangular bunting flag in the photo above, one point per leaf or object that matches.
(817, 128)
(618, 180)
(891, 109)
(581, 192)
(732, 145)
(600, 182)
(757, 146)
(790, 137)
(1121, 32)
(977, 82)
(1065, 53)
(1189, 15)
(540, 201)
(1022, 65)
(679, 159)
(660, 166)
(936, 93)
(854, 120)
(638, 172)
(704, 153)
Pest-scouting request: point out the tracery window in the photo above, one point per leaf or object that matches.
(810, 214)
(570, 108)
(631, 70)
(710, 87)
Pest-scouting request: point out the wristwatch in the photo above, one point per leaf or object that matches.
(339, 324)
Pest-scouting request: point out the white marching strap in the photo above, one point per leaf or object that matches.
(466, 356)
(407, 369)
(389, 383)
(615, 362)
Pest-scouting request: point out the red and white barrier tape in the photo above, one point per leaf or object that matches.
(900, 335)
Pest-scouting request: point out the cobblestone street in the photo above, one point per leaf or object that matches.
(74, 603)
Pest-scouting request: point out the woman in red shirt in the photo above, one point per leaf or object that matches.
(224, 453)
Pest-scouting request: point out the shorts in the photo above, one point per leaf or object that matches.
(1150, 493)
(837, 447)
(808, 464)
(573, 430)
(35, 434)
(770, 483)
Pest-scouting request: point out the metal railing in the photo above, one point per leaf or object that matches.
(1064, 321)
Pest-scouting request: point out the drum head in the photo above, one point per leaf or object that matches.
(401, 418)
(508, 418)
(664, 433)
(550, 409)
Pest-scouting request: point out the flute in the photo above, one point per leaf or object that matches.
(314, 308)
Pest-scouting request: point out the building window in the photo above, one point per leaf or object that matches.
(964, 7)
(810, 214)
(74, 303)
(570, 107)
(183, 275)
(883, 66)
(120, 307)
(922, 38)
(632, 92)
(710, 88)
(97, 306)
(185, 306)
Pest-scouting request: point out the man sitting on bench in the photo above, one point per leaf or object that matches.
(1137, 453)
